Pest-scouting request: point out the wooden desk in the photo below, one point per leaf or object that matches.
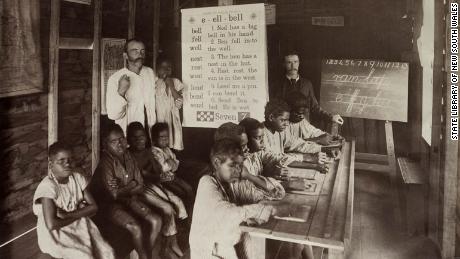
(329, 223)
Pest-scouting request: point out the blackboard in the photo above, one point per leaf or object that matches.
(368, 89)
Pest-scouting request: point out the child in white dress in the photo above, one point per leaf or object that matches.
(168, 100)
(63, 206)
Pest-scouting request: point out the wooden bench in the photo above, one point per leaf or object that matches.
(414, 203)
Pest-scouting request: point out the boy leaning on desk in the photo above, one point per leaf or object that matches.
(219, 210)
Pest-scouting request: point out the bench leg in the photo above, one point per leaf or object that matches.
(255, 247)
(335, 254)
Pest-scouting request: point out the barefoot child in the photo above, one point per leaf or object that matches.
(168, 163)
(215, 231)
(119, 187)
(168, 99)
(63, 206)
(157, 195)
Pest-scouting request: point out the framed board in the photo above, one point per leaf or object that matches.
(111, 61)
(20, 51)
(224, 64)
(368, 89)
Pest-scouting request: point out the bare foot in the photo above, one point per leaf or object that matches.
(175, 246)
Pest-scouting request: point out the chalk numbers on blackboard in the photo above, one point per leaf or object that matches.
(367, 63)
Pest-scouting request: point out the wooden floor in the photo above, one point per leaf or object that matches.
(375, 235)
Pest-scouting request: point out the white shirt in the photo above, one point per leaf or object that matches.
(304, 130)
(279, 142)
(141, 93)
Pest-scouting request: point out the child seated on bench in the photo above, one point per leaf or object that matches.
(118, 187)
(168, 163)
(251, 174)
(263, 159)
(255, 132)
(300, 127)
(278, 139)
(215, 231)
(155, 193)
(63, 206)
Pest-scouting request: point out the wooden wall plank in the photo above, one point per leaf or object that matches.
(156, 31)
(53, 72)
(96, 82)
(75, 43)
(131, 18)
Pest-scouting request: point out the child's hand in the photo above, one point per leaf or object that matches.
(61, 213)
(325, 140)
(166, 176)
(323, 169)
(179, 102)
(114, 183)
(320, 158)
(244, 173)
(82, 204)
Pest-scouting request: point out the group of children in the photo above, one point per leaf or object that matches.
(136, 187)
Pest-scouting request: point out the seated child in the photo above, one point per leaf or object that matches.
(119, 189)
(264, 161)
(168, 102)
(158, 196)
(255, 133)
(64, 206)
(251, 174)
(300, 127)
(215, 231)
(168, 163)
(278, 140)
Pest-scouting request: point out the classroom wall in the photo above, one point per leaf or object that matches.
(373, 30)
(24, 119)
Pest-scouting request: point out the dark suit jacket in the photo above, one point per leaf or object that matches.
(303, 85)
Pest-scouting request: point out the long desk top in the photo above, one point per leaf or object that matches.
(329, 216)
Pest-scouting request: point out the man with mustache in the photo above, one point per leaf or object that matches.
(131, 90)
(292, 81)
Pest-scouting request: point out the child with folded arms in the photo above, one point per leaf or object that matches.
(64, 206)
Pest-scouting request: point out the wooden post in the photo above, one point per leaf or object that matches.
(450, 159)
(53, 72)
(131, 18)
(435, 204)
(394, 188)
(176, 9)
(96, 89)
(156, 31)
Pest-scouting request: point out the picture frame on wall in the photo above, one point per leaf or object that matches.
(20, 50)
(111, 61)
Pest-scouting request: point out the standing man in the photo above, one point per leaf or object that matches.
(131, 90)
(292, 82)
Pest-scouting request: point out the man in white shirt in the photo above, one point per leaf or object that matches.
(131, 90)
